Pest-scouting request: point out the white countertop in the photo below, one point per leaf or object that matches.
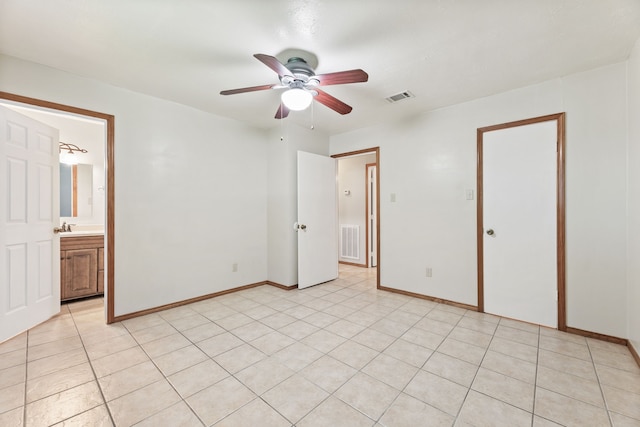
(82, 233)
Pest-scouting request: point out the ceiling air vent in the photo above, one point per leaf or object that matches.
(400, 96)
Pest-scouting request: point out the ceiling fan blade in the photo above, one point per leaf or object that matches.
(331, 102)
(273, 63)
(282, 112)
(246, 89)
(342, 77)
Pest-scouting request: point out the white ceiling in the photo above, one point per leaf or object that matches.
(443, 51)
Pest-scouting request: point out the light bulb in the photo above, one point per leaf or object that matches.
(68, 158)
(297, 99)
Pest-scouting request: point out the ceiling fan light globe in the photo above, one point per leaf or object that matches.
(297, 99)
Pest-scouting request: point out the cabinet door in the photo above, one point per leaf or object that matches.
(100, 270)
(63, 274)
(81, 275)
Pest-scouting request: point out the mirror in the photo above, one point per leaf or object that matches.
(76, 190)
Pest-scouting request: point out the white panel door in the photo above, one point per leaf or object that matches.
(29, 204)
(372, 216)
(519, 216)
(317, 220)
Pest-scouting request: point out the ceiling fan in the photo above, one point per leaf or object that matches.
(301, 82)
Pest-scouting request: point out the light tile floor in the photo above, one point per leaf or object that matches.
(337, 354)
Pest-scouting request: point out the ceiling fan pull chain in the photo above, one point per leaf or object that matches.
(281, 125)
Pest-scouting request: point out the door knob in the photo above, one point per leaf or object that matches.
(303, 227)
(490, 232)
(57, 230)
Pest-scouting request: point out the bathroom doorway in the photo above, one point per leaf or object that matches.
(57, 114)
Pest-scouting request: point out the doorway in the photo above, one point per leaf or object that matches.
(520, 220)
(374, 168)
(109, 120)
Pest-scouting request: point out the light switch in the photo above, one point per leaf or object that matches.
(393, 197)
(469, 193)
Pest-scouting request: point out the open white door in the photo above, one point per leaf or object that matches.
(372, 217)
(29, 210)
(317, 220)
(520, 216)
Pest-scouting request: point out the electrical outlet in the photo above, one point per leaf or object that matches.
(234, 267)
(429, 272)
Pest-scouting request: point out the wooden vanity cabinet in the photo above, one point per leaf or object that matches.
(81, 266)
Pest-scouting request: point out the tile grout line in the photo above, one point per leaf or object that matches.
(419, 368)
(162, 373)
(595, 370)
(579, 377)
(477, 370)
(95, 377)
(230, 331)
(535, 380)
(230, 374)
(379, 353)
(329, 395)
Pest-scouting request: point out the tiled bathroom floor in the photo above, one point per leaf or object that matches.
(337, 354)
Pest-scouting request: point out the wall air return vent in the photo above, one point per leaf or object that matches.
(349, 241)
(400, 96)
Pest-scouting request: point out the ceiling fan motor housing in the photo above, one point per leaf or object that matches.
(299, 66)
(302, 72)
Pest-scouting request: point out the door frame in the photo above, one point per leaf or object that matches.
(110, 181)
(376, 151)
(368, 213)
(560, 208)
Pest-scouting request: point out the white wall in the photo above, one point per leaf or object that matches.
(352, 208)
(428, 161)
(190, 190)
(283, 144)
(633, 191)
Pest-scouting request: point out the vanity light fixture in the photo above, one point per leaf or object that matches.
(67, 153)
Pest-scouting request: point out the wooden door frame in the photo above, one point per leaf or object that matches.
(366, 213)
(560, 208)
(110, 178)
(376, 151)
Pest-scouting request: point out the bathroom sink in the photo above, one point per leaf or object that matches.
(80, 233)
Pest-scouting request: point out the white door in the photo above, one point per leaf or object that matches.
(317, 220)
(30, 260)
(519, 218)
(372, 196)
